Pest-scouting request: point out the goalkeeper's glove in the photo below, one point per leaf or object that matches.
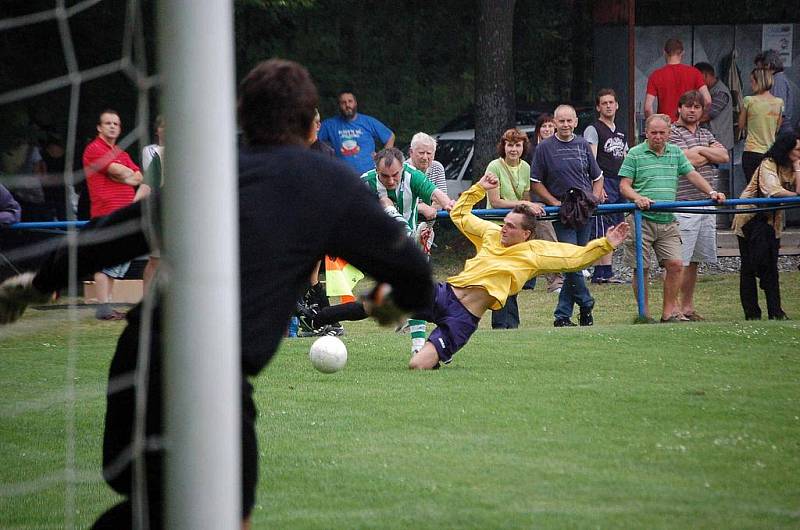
(16, 294)
(380, 305)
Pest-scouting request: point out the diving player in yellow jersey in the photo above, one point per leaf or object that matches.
(506, 258)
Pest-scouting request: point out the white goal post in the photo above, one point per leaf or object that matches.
(201, 251)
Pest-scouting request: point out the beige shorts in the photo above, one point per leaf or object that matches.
(664, 239)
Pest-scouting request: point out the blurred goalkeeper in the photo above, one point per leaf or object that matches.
(284, 188)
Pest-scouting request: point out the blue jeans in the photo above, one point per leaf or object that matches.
(574, 290)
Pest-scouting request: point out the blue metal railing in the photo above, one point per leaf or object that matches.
(47, 224)
(701, 207)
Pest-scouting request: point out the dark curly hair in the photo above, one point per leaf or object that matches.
(779, 152)
(277, 103)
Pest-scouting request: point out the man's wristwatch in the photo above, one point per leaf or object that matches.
(712, 193)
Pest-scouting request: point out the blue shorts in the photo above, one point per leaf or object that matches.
(601, 223)
(454, 324)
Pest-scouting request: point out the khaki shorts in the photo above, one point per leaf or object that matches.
(544, 230)
(698, 237)
(664, 239)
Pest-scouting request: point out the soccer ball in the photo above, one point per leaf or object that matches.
(328, 354)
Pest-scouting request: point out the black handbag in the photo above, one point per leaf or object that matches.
(760, 235)
(577, 208)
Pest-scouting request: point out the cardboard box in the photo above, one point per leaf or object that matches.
(124, 291)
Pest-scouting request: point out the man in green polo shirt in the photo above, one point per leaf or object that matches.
(650, 174)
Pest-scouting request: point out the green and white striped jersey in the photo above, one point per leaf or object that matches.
(413, 185)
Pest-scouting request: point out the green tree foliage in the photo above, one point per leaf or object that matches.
(552, 51)
(411, 67)
(412, 64)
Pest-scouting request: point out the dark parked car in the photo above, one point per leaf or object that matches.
(454, 141)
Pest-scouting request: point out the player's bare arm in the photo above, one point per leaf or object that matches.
(489, 181)
(443, 200)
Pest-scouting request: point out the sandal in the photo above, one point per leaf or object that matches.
(694, 316)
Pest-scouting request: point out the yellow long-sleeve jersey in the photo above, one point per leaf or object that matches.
(502, 271)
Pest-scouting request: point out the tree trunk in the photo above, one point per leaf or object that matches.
(494, 80)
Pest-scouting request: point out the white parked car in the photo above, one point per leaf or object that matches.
(454, 150)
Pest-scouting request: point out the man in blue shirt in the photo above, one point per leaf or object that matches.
(353, 135)
(561, 162)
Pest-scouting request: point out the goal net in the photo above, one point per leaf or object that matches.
(175, 58)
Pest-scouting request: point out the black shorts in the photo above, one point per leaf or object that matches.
(118, 431)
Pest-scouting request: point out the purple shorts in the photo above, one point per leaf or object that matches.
(454, 324)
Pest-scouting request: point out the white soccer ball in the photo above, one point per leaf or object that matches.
(328, 354)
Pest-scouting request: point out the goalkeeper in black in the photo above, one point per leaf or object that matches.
(295, 206)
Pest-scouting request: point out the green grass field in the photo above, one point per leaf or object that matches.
(615, 426)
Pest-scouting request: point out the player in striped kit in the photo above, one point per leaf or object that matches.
(406, 187)
(399, 187)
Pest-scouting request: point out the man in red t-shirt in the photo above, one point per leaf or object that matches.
(112, 179)
(671, 81)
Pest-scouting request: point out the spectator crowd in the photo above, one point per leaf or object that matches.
(690, 130)
(382, 223)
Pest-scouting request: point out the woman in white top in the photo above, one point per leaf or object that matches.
(150, 151)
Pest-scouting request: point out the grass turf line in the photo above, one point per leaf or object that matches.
(664, 426)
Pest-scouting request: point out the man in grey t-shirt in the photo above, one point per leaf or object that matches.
(718, 116)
